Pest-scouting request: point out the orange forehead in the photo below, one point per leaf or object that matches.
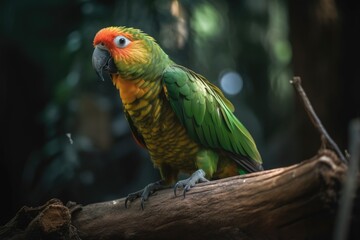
(107, 35)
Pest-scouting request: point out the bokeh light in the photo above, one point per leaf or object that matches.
(231, 82)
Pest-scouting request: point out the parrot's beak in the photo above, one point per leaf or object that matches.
(103, 62)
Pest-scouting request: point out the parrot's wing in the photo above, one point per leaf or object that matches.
(137, 136)
(208, 116)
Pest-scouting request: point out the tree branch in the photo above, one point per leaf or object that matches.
(295, 202)
(325, 137)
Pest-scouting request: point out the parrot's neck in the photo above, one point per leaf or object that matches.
(138, 95)
(130, 90)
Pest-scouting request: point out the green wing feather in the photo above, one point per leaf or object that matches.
(208, 116)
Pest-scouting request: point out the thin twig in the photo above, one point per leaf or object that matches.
(296, 81)
(349, 188)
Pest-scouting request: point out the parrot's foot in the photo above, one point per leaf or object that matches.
(186, 184)
(145, 193)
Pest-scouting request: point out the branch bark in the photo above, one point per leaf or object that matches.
(295, 202)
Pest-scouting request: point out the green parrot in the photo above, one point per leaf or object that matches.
(182, 119)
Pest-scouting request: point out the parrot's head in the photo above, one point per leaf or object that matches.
(128, 52)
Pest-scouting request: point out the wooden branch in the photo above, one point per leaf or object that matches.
(325, 137)
(295, 202)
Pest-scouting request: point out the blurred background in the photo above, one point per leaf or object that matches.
(64, 134)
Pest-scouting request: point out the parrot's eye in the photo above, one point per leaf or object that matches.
(121, 41)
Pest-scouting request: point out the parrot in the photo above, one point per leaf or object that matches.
(183, 120)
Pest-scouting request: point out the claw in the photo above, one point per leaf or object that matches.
(126, 200)
(187, 184)
(184, 191)
(142, 203)
(144, 193)
(132, 196)
(177, 185)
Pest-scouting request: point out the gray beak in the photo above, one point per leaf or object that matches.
(103, 62)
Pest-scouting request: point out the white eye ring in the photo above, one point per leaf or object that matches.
(121, 41)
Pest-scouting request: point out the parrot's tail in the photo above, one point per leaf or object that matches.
(244, 162)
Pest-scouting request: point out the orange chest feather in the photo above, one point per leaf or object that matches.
(129, 90)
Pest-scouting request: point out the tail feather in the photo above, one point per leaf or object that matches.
(244, 162)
